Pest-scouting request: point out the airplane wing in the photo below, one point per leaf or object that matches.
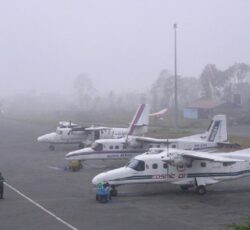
(98, 128)
(78, 128)
(160, 113)
(209, 157)
(154, 140)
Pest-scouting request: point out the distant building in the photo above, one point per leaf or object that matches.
(205, 108)
(200, 109)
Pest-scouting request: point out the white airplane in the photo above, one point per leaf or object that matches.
(130, 146)
(70, 133)
(180, 167)
(160, 114)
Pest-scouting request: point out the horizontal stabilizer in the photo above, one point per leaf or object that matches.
(154, 140)
(209, 157)
(97, 128)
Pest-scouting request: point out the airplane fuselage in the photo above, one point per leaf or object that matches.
(111, 149)
(67, 136)
(150, 168)
(127, 148)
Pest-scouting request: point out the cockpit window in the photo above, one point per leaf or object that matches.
(59, 132)
(97, 146)
(136, 165)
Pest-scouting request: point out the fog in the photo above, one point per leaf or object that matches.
(122, 46)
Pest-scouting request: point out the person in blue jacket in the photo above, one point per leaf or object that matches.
(1, 186)
(102, 193)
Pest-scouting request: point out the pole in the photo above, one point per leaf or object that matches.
(175, 76)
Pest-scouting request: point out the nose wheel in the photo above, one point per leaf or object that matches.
(81, 145)
(184, 188)
(52, 148)
(201, 190)
(113, 191)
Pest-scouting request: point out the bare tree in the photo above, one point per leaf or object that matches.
(84, 90)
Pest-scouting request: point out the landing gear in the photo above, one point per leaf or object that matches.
(81, 145)
(184, 188)
(201, 190)
(52, 148)
(103, 198)
(113, 191)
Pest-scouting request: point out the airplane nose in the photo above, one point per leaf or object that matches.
(98, 179)
(78, 154)
(39, 139)
(44, 138)
(72, 154)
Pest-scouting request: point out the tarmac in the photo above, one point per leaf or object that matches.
(40, 194)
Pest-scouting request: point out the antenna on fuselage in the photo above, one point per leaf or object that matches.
(167, 155)
(167, 147)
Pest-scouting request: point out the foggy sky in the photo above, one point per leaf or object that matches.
(121, 44)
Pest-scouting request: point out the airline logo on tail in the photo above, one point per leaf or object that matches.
(214, 131)
(139, 119)
(217, 132)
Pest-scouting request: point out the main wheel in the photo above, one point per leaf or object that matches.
(201, 190)
(81, 145)
(52, 148)
(113, 192)
(184, 188)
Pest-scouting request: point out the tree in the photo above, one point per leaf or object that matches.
(84, 90)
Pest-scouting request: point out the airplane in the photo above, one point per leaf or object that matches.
(185, 168)
(70, 133)
(127, 147)
(159, 114)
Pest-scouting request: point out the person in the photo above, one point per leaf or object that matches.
(1, 185)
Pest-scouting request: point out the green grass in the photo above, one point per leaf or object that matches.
(243, 141)
(238, 226)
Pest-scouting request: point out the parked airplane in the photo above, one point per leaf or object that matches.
(159, 114)
(130, 146)
(180, 167)
(70, 133)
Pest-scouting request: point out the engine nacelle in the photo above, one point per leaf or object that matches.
(133, 143)
(178, 160)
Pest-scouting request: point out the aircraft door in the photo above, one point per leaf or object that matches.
(97, 134)
(172, 172)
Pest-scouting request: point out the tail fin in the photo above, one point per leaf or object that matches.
(139, 124)
(217, 130)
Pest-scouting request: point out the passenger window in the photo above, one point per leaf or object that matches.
(203, 164)
(60, 132)
(165, 165)
(174, 146)
(111, 146)
(155, 166)
(116, 147)
(124, 146)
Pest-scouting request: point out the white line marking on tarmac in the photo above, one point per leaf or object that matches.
(54, 168)
(41, 207)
